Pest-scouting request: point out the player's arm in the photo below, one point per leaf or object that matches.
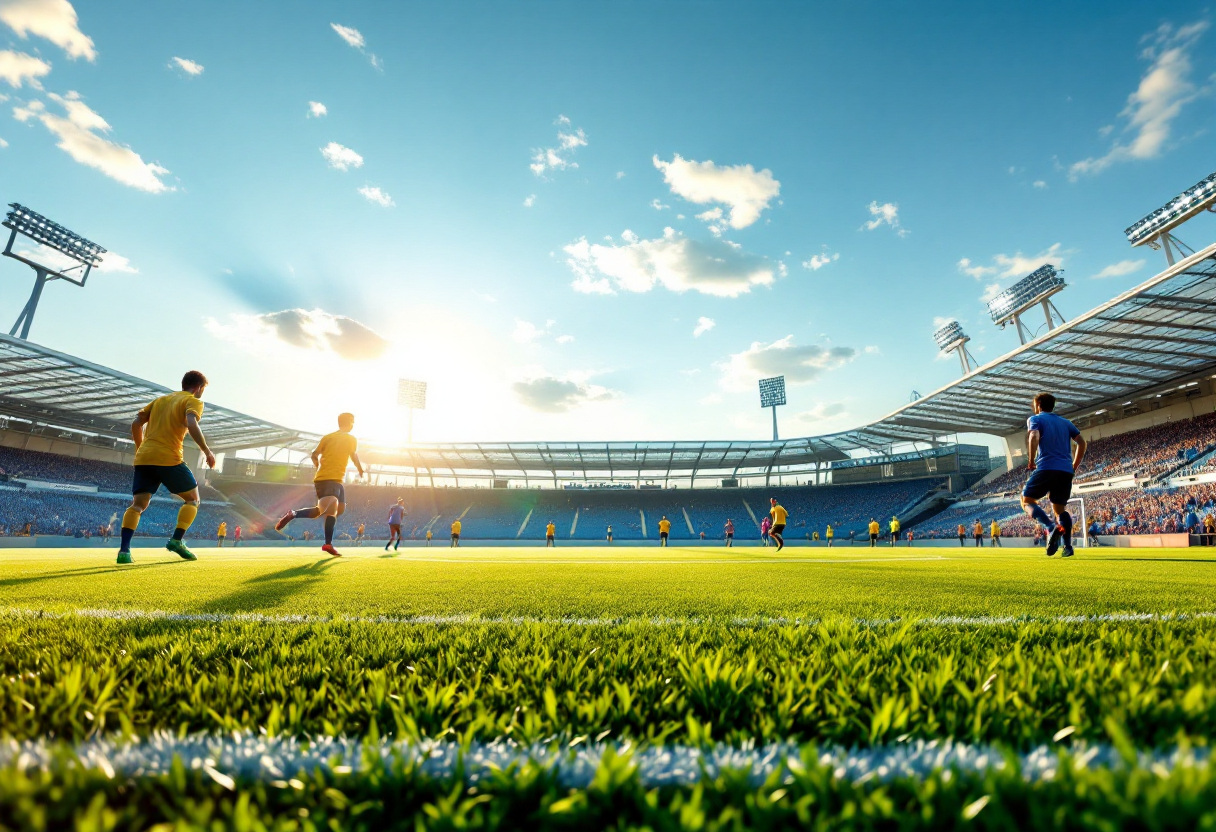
(196, 433)
(316, 457)
(137, 427)
(1078, 453)
(1032, 442)
(354, 457)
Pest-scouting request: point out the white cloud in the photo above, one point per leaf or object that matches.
(885, 214)
(530, 201)
(340, 157)
(746, 192)
(3, 144)
(372, 193)
(703, 325)
(316, 109)
(549, 394)
(990, 292)
(712, 215)
(818, 261)
(1040, 184)
(564, 339)
(1165, 88)
(822, 412)
(712, 267)
(1121, 268)
(798, 364)
(313, 329)
(79, 135)
(186, 65)
(17, 68)
(54, 20)
(352, 36)
(526, 332)
(658, 206)
(1017, 265)
(967, 267)
(620, 174)
(558, 158)
(940, 321)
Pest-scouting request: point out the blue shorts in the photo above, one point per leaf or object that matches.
(177, 479)
(1055, 484)
(330, 488)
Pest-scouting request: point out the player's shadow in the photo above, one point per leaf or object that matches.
(269, 591)
(26, 580)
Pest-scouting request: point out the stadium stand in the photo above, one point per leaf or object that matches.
(19, 463)
(39, 511)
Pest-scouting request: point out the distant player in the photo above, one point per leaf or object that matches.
(396, 514)
(221, 534)
(729, 530)
(610, 533)
(550, 535)
(359, 530)
(331, 456)
(874, 528)
(158, 432)
(765, 525)
(830, 534)
(962, 535)
(978, 532)
(996, 534)
(779, 515)
(428, 537)
(456, 533)
(909, 537)
(894, 530)
(1053, 463)
(664, 530)
(236, 536)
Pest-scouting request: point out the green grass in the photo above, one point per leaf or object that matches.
(696, 676)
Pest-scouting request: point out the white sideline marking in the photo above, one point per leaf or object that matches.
(737, 621)
(249, 757)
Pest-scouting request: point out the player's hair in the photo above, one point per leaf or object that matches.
(193, 379)
(1046, 402)
(345, 418)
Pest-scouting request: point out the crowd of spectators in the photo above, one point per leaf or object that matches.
(19, 463)
(25, 512)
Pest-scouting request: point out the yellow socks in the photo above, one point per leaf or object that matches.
(186, 515)
(130, 519)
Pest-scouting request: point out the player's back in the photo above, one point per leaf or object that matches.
(1055, 441)
(336, 449)
(166, 428)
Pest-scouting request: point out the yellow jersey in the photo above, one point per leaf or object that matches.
(979, 529)
(455, 527)
(550, 530)
(664, 526)
(894, 526)
(779, 515)
(335, 449)
(428, 534)
(166, 428)
(874, 527)
(830, 533)
(996, 530)
(961, 531)
(222, 530)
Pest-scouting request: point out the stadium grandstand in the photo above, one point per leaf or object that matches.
(1136, 374)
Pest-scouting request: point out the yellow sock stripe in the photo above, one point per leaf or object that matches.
(186, 515)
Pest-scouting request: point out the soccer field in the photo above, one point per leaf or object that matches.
(584, 688)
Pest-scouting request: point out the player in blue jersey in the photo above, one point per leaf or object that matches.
(1053, 462)
(395, 514)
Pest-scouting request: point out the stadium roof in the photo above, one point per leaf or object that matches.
(1145, 341)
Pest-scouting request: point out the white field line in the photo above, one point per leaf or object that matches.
(248, 757)
(519, 620)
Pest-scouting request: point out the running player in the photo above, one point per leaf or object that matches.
(362, 527)
(894, 530)
(456, 533)
(158, 431)
(729, 529)
(550, 535)
(395, 515)
(978, 532)
(1053, 463)
(996, 534)
(331, 456)
(830, 535)
(221, 534)
(779, 515)
(874, 527)
(664, 530)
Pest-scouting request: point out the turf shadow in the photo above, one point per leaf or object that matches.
(270, 590)
(76, 573)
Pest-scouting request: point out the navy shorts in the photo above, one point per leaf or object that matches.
(777, 529)
(1055, 484)
(177, 479)
(330, 488)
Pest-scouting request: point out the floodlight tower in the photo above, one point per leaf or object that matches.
(412, 395)
(1037, 287)
(951, 338)
(1156, 230)
(772, 394)
(34, 226)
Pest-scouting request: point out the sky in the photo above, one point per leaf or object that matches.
(582, 221)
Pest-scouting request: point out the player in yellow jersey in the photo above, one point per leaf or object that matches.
(894, 530)
(428, 537)
(158, 431)
(455, 532)
(874, 527)
(978, 531)
(830, 534)
(550, 535)
(779, 515)
(664, 530)
(996, 534)
(359, 530)
(221, 534)
(331, 456)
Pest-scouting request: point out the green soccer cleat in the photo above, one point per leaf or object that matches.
(124, 557)
(179, 549)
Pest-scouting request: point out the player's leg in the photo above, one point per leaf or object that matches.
(143, 487)
(328, 509)
(185, 517)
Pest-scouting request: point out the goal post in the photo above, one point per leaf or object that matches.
(1084, 522)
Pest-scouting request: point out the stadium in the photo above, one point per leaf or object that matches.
(861, 628)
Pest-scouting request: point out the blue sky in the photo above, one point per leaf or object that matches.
(586, 221)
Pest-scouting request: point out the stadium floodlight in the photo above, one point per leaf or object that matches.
(1036, 287)
(33, 226)
(772, 394)
(951, 338)
(1155, 230)
(411, 395)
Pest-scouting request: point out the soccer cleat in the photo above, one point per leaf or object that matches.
(124, 557)
(284, 520)
(1053, 542)
(329, 549)
(1067, 552)
(178, 548)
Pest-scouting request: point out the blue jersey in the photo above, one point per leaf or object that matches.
(394, 515)
(1055, 441)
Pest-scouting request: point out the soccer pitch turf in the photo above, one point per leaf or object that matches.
(575, 688)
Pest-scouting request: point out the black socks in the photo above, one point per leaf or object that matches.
(330, 522)
(1066, 522)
